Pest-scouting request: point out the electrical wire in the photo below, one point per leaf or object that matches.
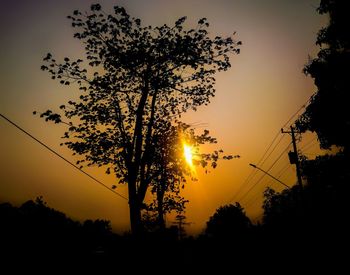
(57, 154)
(308, 146)
(263, 158)
(281, 172)
(254, 199)
(302, 107)
(256, 183)
(254, 172)
(283, 169)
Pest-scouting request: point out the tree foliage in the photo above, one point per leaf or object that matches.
(328, 112)
(281, 209)
(320, 205)
(229, 221)
(133, 82)
(37, 230)
(173, 171)
(327, 187)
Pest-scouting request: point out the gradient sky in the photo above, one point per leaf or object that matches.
(254, 99)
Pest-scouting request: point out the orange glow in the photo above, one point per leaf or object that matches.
(188, 154)
(253, 99)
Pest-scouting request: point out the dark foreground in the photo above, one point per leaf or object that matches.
(36, 238)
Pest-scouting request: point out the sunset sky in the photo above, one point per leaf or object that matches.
(254, 99)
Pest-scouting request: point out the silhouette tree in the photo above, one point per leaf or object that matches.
(228, 222)
(35, 232)
(281, 210)
(328, 112)
(327, 189)
(173, 169)
(328, 115)
(321, 205)
(136, 80)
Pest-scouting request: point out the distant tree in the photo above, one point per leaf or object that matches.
(328, 112)
(139, 79)
(328, 178)
(228, 222)
(97, 234)
(35, 231)
(281, 209)
(321, 205)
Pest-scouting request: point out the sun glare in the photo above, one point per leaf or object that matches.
(188, 154)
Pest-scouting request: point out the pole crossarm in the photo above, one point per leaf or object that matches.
(297, 163)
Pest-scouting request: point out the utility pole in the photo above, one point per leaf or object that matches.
(180, 222)
(293, 156)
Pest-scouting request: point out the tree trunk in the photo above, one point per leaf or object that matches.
(134, 207)
(160, 198)
(134, 166)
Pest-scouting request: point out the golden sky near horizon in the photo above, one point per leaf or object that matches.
(254, 99)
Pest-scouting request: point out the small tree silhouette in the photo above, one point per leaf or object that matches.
(228, 222)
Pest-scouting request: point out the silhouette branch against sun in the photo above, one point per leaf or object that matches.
(192, 154)
(188, 154)
(179, 154)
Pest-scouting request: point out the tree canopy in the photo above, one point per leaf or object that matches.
(328, 112)
(134, 82)
(228, 222)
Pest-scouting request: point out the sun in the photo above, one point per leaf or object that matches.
(188, 154)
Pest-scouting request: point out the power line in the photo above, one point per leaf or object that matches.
(256, 167)
(241, 187)
(254, 172)
(273, 149)
(268, 148)
(263, 159)
(293, 156)
(284, 168)
(255, 184)
(303, 106)
(57, 154)
(254, 199)
(252, 202)
(282, 173)
(263, 163)
(309, 145)
(259, 163)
